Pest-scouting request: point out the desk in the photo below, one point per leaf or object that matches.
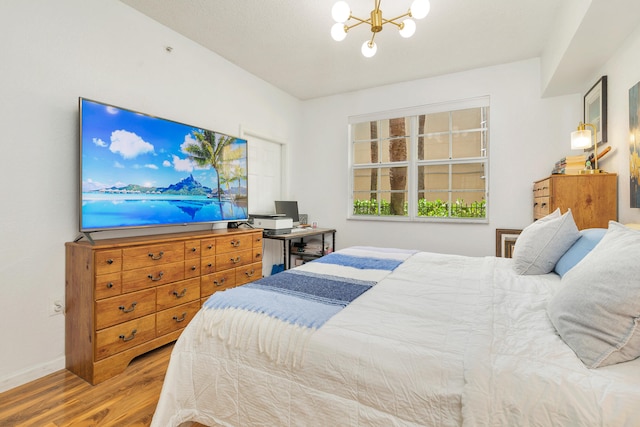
(287, 239)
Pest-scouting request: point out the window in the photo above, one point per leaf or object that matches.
(423, 163)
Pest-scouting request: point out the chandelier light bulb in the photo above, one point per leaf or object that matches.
(337, 32)
(419, 8)
(341, 11)
(369, 50)
(408, 28)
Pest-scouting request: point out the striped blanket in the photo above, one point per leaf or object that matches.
(279, 313)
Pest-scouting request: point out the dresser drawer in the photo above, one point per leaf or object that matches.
(248, 273)
(233, 243)
(142, 278)
(541, 207)
(234, 259)
(217, 282)
(175, 318)
(192, 249)
(178, 293)
(207, 247)
(152, 255)
(257, 240)
(111, 311)
(542, 188)
(208, 265)
(108, 285)
(109, 261)
(257, 255)
(191, 268)
(121, 337)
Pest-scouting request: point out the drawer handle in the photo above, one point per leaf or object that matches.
(250, 273)
(219, 283)
(181, 294)
(128, 310)
(181, 319)
(235, 260)
(194, 249)
(210, 247)
(109, 285)
(258, 255)
(156, 257)
(130, 337)
(209, 265)
(193, 268)
(535, 204)
(110, 261)
(235, 243)
(544, 204)
(156, 278)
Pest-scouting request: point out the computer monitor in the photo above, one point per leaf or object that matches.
(289, 209)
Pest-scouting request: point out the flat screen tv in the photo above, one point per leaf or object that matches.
(139, 170)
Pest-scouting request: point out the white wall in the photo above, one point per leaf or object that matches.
(51, 54)
(623, 72)
(527, 136)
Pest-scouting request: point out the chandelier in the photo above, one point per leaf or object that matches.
(341, 13)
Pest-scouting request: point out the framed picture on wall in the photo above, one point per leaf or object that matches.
(506, 241)
(595, 109)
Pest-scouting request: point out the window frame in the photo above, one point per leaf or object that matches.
(412, 163)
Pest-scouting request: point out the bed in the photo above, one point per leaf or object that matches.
(410, 339)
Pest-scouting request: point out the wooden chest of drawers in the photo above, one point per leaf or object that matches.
(593, 199)
(127, 296)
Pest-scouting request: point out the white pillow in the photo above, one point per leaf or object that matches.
(541, 244)
(596, 311)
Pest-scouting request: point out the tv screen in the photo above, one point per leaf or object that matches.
(142, 171)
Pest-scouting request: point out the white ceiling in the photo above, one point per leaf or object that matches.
(288, 44)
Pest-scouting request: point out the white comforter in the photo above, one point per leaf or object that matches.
(444, 340)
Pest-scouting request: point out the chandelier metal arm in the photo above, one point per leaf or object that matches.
(361, 21)
(373, 36)
(392, 20)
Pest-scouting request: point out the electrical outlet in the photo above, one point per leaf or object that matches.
(56, 306)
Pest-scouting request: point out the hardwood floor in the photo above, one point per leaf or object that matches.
(63, 399)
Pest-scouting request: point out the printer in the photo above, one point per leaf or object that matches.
(272, 224)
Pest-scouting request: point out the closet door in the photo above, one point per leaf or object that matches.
(266, 183)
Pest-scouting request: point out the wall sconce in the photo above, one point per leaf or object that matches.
(581, 139)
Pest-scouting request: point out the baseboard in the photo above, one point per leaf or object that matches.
(31, 374)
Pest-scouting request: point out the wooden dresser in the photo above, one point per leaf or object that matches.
(127, 296)
(593, 199)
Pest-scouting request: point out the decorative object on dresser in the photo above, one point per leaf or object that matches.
(127, 296)
(593, 199)
(581, 138)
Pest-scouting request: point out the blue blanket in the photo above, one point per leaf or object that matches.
(305, 298)
(279, 313)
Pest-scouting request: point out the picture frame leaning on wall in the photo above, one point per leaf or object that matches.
(595, 109)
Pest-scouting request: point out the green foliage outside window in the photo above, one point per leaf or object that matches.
(428, 209)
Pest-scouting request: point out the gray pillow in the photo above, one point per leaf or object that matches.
(541, 244)
(596, 311)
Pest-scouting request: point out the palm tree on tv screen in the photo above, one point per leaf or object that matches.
(210, 150)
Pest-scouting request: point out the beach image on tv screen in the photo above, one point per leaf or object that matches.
(138, 170)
